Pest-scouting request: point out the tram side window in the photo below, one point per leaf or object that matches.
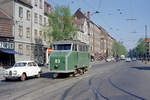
(83, 48)
(86, 48)
(80, 48)
(74, 47)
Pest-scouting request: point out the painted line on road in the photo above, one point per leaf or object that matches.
(122, 90)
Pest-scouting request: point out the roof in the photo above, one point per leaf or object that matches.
(47, 4)
(47, 8)
(25, 2)
(69, 42)
(80, 17)
(4, 15)
(147, 40)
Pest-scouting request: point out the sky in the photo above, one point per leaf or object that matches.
(115, 17)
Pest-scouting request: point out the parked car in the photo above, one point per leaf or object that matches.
(117, 59)
(108, 59)
(128, 59)
(112, 59)
(133, 59)
(22, 70)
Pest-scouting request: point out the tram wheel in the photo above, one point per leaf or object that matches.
(55, 75)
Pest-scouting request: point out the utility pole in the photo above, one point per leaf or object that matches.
(147, 51)
(145, 31)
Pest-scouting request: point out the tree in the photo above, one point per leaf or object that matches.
(119, 49)
(141, 48)
(62, 24)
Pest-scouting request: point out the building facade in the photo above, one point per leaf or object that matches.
(82, 23)
(6, 40)
(29, 17)
(99, 41)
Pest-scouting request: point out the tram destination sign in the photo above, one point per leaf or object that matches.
(6, 45)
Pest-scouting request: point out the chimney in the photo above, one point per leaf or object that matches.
(88, 14)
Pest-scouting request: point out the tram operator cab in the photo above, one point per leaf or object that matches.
(69, 56)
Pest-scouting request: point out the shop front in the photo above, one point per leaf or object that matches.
(7, 51)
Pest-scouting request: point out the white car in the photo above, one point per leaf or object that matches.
(22, 70)
(108, 59)
(128, 59)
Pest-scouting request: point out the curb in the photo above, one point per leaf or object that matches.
(98, 62)
(1, 73)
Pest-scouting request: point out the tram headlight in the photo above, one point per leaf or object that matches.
(56, 65)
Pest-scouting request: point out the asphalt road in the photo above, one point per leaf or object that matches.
(107, 81)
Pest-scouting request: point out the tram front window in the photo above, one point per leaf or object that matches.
(62, 47)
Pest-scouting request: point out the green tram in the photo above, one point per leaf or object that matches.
(69, 56)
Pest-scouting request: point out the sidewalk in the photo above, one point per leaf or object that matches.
(1, 73)
(97, 62)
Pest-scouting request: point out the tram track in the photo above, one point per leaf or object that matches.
(124, 91)
(97, 91)
(46, 86)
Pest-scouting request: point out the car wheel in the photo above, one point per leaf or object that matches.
(38, 75)
(23, 77)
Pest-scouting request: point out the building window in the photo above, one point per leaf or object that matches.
(20, 12)
(40, 19)
(35, 34)
(28, 15)
(28, 32)
(40, 4)
(35, 18)
(44, 21)
(44, 36)
(41, 35)
(27, 50)
(20, 48)
(36, 3)
(1, 30)
(20, 31)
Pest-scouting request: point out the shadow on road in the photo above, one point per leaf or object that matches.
(141, 68)
(46, 75)
(50, 75)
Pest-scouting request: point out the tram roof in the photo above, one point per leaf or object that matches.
(69, 42)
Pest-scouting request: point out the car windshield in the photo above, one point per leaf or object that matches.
(20, 64)
(62, 47)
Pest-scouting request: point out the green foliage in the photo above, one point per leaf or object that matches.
(119, 49)
(141, 48)
(62, 25)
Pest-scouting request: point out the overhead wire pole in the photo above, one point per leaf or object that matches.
(145, 31)
(147, 50)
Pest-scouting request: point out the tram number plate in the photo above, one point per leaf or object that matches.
(57, 60)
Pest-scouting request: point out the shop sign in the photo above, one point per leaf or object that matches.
(50, 50)
(6, 45)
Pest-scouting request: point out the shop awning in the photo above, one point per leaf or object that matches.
(9, 51)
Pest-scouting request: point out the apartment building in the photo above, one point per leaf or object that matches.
(99, 41)
(29, 17)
